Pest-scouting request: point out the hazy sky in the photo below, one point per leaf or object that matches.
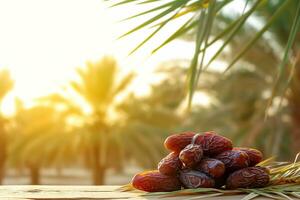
(42, 41)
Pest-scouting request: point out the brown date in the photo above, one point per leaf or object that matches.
(255, 156)
(212, 143)
(178, 141)
(194, 179)
(191, 155)
(250, 177)
(154, 181)
(233, 160)
(212, 167)
(170, 165)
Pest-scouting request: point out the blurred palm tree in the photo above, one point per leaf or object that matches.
(116, 132)
(6, 84)
(99, 85)
(40, 138)
(149, 119)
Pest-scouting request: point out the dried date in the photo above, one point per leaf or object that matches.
(255, 156)
(212, 143)
(212, 167)
(178, 141)
(191, 179)
(170, 165)
(191, 155)
(154, 181)
(233, 160)
(250, 177)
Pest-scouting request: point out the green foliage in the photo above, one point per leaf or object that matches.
(150, 119)
(201, 19)
(56, 132)
(39, 137)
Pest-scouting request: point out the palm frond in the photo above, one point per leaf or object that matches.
(286, 56)
(173, 9)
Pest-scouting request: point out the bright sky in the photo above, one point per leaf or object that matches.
(43, 41)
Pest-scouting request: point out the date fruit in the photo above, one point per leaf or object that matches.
(203, 161)
(212, 167)
(212, 143)
(250, 177)
(191, 155)
(178, 141)
(255, 156)
(170, 165)
(154, 181)
(191, 179)
(233, 160)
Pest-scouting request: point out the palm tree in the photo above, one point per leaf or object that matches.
(6, 84)
(40, 137)
(99, 87)
(96, 136)
(149, 119)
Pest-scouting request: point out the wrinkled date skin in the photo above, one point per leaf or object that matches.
(191, 179)
(250, 177)
(178, 141)
(233, 160)
(154, 181)
(191, 155)
(212, 143)
(170, 165)
(255, 156)
(212, 167)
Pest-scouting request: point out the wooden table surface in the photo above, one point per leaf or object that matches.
(32, 192)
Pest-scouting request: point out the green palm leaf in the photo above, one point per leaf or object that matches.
(202, 29)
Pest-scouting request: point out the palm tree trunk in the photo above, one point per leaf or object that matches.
(2, 173)
(34, 175)
(99, 175)
(98, 169)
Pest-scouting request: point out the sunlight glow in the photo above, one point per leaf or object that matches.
(42, 42)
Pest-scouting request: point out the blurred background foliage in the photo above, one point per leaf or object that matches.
(122, 129)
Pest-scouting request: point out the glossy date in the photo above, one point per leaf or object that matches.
(170, 165)
(191, 155)
(154, 181)
(250, 177)
(179, 141)
(191, 179)
(233, 160)
(255, 156)
(212, 143)
(212, 167)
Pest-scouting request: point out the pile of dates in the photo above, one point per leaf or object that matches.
(203, 161)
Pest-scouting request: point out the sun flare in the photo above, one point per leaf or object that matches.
(44, 41)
